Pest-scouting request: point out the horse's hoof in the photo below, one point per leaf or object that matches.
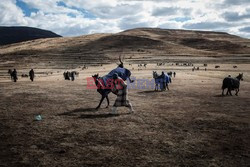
(97, 108)
(107, 107)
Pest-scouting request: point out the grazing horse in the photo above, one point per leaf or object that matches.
(230, 84)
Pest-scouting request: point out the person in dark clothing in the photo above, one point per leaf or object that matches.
(32, 75)
(163, 81)
(10, 72)
(64, 75)
(67, 76)
(14, 75)
(72, 75)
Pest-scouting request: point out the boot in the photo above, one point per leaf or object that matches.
(131, 110)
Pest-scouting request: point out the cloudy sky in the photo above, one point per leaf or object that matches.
(78, 17)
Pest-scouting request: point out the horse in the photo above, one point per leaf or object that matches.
(101, 89)
(103, 84)
(157, 80)
(25, 75)
(230, 83)
(170, 73)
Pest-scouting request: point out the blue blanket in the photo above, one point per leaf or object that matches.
(122, 73)
(168, 79)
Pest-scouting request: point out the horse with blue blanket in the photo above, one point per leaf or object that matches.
(105, 84)
(163, 80)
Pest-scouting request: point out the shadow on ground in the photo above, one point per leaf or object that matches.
(78, 110)
(220, 95)
(149, 91)
(92, 113)
(95, 116)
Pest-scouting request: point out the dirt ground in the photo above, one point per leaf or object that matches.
(189, 125)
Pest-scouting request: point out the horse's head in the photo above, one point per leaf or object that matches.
(96, 76)
(240, 77)
(155, 75)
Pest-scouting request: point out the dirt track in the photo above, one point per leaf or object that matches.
(190, 125)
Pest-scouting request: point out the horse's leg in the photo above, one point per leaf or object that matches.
(230, 92)
(227, 91)
(107, 101)
(100, 102)
(222, 92)
(237, 91)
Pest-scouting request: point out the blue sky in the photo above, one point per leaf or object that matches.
(79, 17)
(25, 8)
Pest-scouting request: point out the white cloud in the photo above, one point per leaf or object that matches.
(78, 17)
(11, 14)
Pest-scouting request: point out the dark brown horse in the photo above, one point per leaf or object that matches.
(230, 84)
(101, 89)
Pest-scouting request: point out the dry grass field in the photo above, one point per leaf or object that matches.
(189, 125)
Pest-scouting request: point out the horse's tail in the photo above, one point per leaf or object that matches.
(224, 84)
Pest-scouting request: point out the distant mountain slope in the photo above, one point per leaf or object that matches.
(137, 45)
(200, 40)
(10, 35)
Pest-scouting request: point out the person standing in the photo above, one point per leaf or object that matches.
(32, 75)
(10, 73)
(163, 81)
(64, 75)
(72, 74)
(67, 76)
(121, 90)
(14, 75)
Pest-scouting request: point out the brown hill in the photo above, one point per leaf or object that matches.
(137, 45)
